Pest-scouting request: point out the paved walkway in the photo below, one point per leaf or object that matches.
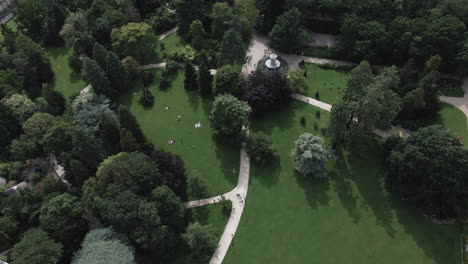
(323, 40)
(167, 33)
(238, 197)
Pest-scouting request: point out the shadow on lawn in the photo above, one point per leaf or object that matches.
(267, 175)
(230, 160)
(316, 190)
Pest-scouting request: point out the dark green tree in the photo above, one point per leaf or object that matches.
(97, 78)
(429, 168)
(288, 33)
(118, 74)
(100, 55)
(227, 81)
(197, 35)
(229, 115)
(231, 50)
(205, 80)
(54, 99)
(136, 40)
(36, 247)
(268, 11)
(261, 148)
(201, 240)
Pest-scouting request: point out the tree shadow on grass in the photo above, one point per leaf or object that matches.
(368, 175)
(229, 156)
(342, 186)
(267, 175)
(316, 190)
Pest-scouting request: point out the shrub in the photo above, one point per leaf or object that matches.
(165, 82)
(172, 66)
(183, 54)
(146, 98)
(317, 95)
(75, 63)
(317, 114)
(303, 121)
(261, 148)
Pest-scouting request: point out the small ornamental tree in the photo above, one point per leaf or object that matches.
(309, 155)
(261, 148)
(146, 98)
(229, 115)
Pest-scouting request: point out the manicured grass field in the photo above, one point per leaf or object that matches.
(319, 51)
(350, 218)
(216, 162)
(454, 119)
(65, 81)
(329, 83)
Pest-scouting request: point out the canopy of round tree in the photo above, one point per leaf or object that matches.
(103, 246)
(227, 81)
(261, 148)
(136, 40)
(231, 50)
(36, 247)
(288, 33)
(229, 115)
(201, 240)
(126, 193)
(430, 168)
(310, 155)
(266, 92)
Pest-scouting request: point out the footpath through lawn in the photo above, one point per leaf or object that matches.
(217, 163)
(348, 219)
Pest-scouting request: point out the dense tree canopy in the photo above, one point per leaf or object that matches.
(309, 155)
(36, 247)
(229, 115)
(430, 168)
(136, 40)
(201, 241)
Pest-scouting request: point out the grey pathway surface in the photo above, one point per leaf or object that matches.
(323, 40)
(167, 33)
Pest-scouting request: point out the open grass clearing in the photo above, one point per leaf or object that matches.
(217, 163)
(290, 219)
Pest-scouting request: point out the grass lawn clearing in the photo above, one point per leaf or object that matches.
(329, 83)
(454, 119)
(12, 25)
(65, 81)
(170, 44)
(319, 51)
(217, 163)
(291, 219)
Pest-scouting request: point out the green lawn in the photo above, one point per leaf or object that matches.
(319, 51)
(329, 83)
(170, 43)
(347, 219)
(12, 25)
(216, 162)
(454, 119)
(66, 82)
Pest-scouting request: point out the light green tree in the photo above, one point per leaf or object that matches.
(310, 155)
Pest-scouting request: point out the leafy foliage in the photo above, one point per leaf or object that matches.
(261, 148)
(229, 115)
(309, 155)
(36, 248)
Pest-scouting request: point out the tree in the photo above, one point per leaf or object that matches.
(97, 78)
(197, 35)
(136, 40)
(201, 240)
(58, 138)
(36, 248)
(61, 216)
(37, 126)
(24, 148)
(268, 11)
(109, 133)
(310, 155)
(231, 50)
(190, 81)
(287, 34)
(9, 128)
(88, 108)
(188, 11)
(229, 115)
(221, 13)
(429, 168)
(99, 55)
(104, 245)
(205, 80)
(172, 167)
(298, 81)
(128, 142)
(128, 121)
(118, 75)
(119, 193)
(76, 33)
(20, 106)
(261, 148)
(146, 98)
(40, 19)
(132, 66)
(196, 185)
(267, 92)
(227, 81)
(54, 99)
